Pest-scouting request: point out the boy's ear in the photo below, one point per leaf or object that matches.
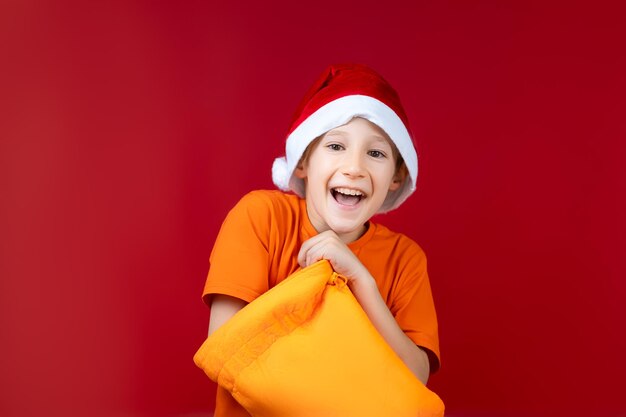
(399, 178)
(300, 171)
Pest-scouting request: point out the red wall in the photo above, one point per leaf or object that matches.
(128, 129)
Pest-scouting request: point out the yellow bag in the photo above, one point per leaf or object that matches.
(306, 348)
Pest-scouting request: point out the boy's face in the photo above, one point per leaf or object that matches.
(348, 174)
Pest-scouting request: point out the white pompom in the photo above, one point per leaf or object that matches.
(281, 174)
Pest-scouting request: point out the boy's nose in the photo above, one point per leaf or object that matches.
(353, 166)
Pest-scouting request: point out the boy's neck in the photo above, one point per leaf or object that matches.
(346, 238)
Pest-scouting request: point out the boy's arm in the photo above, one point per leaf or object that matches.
(415, 358)
(223, 307)
(327, 245)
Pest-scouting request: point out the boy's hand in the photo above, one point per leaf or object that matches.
(327, 245)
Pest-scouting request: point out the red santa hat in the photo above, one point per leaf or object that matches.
(341, 93)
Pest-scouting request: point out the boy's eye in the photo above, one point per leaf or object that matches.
(334, 146)
(376, 154)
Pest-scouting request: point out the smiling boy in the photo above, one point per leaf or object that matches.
(349, 156)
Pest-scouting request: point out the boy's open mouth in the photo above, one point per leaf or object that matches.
(347, 196)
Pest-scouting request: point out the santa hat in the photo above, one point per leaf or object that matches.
(341, 93)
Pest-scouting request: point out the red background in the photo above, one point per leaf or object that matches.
(128, 129)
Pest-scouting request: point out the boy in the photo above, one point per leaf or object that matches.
(349, 156)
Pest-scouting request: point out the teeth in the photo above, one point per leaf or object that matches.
(348, 191)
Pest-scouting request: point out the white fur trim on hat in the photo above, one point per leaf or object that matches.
(281, 174)
(335, 114)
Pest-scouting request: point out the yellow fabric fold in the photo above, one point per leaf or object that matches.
(306, 348)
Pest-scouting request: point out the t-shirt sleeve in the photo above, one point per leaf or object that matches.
(239, 259)
(414, 308)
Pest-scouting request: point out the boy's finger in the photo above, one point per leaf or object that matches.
(315, 254)
(302, 256)
(307, 246)
(307, 252)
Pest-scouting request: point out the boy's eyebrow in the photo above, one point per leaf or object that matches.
(380, 138)
(335, 132)
(339, 132)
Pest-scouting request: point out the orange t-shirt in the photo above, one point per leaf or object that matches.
(258, 245)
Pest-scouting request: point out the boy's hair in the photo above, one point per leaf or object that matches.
(341, 93)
